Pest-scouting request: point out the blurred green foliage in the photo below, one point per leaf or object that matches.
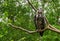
(19, 12)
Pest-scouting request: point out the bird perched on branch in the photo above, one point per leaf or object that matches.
(39, 21)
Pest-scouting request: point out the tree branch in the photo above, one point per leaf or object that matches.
(23, 29)
(53, 29)
(50, 27)
(30, 32)
(32, 5)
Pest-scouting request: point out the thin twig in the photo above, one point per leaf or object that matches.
(32, 5)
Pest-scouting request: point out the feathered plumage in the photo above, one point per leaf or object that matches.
(39, 22)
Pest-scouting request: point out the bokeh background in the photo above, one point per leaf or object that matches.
(20, 13)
